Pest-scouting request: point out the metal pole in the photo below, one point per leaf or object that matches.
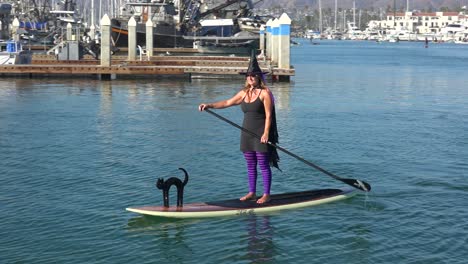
(336, 11)
(92, 12)
(320, 16)
(354, 13)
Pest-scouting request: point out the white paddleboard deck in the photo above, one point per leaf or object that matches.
(236, 207)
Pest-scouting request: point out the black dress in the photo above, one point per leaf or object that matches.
(254, 121)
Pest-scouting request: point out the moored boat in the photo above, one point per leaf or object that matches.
(187, 24)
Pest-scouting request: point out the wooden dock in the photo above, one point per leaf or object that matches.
(161, 64)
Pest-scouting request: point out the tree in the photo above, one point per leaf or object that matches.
(444, 9)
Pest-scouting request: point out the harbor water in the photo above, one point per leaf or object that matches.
(74, 153)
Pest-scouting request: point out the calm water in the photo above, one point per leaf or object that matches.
(75, 153)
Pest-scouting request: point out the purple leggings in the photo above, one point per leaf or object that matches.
(252, 158)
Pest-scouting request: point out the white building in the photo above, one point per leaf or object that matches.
(420, 23)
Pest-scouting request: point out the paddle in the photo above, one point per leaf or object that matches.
(361, 185)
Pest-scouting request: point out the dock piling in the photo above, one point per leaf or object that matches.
(268, 38)
(92, 32)
(284, 41)
(132, 39)
(274, 40)
(69, 31)
(105, 41)
(149, 39)
(262, 41)
(14, 27)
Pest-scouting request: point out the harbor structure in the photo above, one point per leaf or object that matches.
(109, 66)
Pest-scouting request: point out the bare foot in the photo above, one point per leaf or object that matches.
(265, 199)
(249, 196)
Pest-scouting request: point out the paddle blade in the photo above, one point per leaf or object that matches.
(361, 185)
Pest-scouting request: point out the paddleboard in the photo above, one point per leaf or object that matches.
(235, 207)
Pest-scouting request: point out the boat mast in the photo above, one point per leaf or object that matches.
(100, 9)
(344, 19)
(320, 16)
(354, 12)
(336, 11)
(92, 13)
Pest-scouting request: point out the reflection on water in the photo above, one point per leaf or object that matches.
(168, 236)
(282, 94)
(141, 223)
(260, 247)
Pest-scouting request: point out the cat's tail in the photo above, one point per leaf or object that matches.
(186, 176)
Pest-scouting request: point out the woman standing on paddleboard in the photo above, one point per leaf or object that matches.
(257, 103)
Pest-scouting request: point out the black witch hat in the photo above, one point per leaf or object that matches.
(254, 68)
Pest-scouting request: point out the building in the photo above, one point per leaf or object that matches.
(420, 23)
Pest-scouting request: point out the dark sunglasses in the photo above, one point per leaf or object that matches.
(252, 75)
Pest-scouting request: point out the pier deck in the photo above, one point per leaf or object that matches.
(211, 66)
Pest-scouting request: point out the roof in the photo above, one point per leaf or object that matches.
(450, 13)
(216, 22)
(431, 14)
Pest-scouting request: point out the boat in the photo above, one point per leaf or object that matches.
(353, 32)
(400, 35)
(5, 17)
(39, 24)
(216, 37)
(165, 30)
(454, 32)
(11, 52)
(187, 23)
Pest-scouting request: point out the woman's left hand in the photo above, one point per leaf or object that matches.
(264, 138)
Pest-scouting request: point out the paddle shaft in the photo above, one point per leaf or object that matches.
(355, 183)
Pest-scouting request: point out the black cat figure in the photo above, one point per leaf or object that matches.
(165, 185)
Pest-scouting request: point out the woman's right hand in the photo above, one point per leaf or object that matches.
(202, 107)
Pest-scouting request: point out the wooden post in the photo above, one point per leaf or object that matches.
(105, 41)
(149, 38)
(132, 38)
(284, 41)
